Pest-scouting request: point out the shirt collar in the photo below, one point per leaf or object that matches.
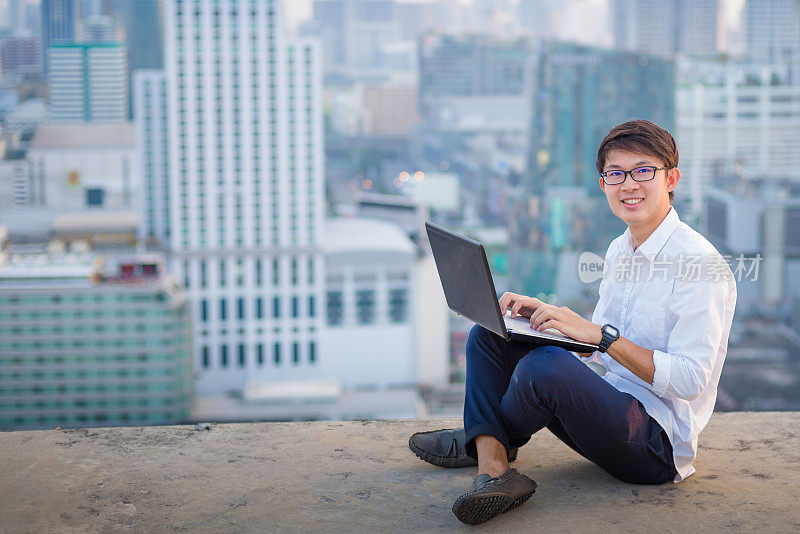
(653, 244)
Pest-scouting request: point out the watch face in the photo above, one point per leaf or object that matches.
(611, 330)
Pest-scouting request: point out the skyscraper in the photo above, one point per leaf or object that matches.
(242, 181)
(666, 27)
(144, 34)
(20, 55)
(473, 65)
(88, 82)
(14, 17)
(354, 33)
(60, 22)
(772, 30)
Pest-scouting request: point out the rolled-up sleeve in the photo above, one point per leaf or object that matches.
(661, 360)
(701, 316)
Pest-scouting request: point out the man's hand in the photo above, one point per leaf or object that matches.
(518, 304)
(567, 322)
(543, 316)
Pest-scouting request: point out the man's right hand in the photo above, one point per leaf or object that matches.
(518, 304)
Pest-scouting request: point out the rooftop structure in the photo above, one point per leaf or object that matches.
(346, 235)
(76, 176)
(360, 477)
(79, 135)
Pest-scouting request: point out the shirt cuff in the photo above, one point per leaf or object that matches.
(661, 377)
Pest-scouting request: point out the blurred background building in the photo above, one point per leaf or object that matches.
(667, 27)
(88, 82)
(79, 348)
(74, 169)
(60, 23)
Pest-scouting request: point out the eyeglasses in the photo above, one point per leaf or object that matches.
(639, 174)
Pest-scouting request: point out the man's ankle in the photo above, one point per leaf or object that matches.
(493, 469)
(492, 456)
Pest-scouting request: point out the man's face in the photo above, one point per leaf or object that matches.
(639, 203)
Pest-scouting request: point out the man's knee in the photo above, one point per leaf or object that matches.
(544, 367)
(478, 337)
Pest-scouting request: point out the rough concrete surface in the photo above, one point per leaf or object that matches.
(361, 477)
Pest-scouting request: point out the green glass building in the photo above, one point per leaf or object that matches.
(79, 349)
(579, 93)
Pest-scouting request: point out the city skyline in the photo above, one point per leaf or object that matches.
(284, 174)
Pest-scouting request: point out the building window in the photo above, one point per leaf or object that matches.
(398, 305)
(295, 353)
(276, 307)
(223, 355)
(222, 273)
(311, 306)
(204, 310)
(241, 355)
(239, 273)
(365, 306)
(295, 307)
(276, 353)
(205, 357)
(223, 311)
(335, 308)
(259, 308)
(260, 354)
(312, 352)
(95, 196)
(240, 306)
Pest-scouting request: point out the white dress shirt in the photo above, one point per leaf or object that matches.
(674, 295)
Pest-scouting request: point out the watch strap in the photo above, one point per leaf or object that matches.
(607, 339)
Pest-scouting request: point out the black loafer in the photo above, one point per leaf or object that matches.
(493, 496)
(445, 448)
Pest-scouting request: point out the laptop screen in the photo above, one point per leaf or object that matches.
(466, 279)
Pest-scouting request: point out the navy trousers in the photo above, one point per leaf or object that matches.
(514, 390)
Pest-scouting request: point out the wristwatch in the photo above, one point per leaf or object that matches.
(610, 335)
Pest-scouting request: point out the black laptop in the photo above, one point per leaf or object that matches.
(469, 290)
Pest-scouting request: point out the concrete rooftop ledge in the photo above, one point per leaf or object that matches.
(361, 477)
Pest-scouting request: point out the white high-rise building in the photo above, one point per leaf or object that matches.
(88, 82)
(234, 186)
(736, 120)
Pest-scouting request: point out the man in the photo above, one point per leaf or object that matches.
(662, 323)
